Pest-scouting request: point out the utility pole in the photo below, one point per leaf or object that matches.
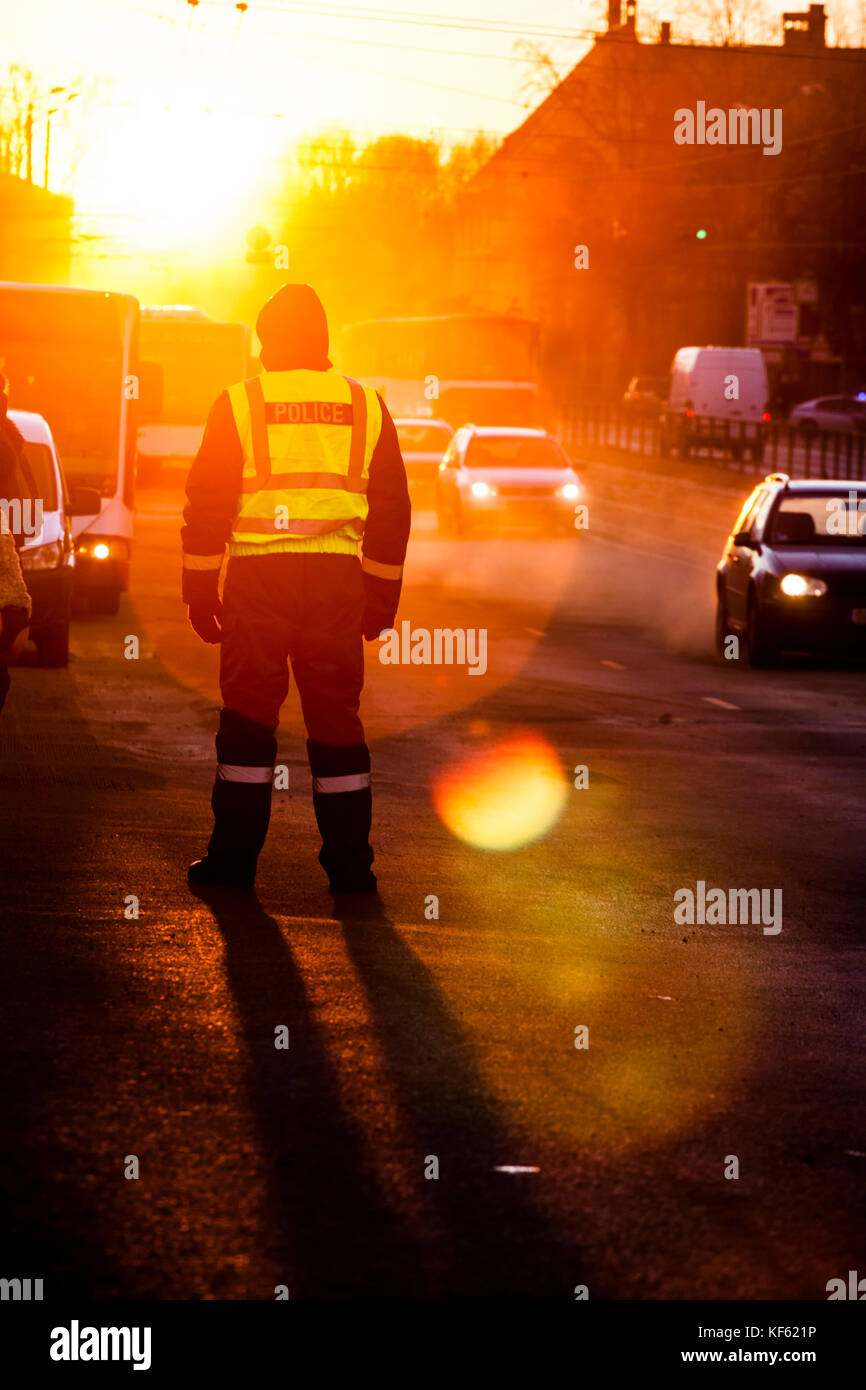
(47, 147)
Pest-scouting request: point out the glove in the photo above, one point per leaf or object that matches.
(206, 619)
(376, 620)
(381, 597)
(201, 595)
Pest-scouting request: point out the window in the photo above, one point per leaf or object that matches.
(38, 478)
(514, 452)
(821, 519)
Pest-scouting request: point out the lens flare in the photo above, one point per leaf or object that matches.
(504, 796)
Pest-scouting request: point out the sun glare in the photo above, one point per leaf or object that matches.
(505, 796)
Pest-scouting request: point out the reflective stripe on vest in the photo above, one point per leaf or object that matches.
(307, 439)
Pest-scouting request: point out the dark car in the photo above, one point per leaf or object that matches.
(793, 573)
(645, 395)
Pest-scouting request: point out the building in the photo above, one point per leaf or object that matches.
(673, 229)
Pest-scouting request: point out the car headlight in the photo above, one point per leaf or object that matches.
(102, 550)
(802, 586)
(570, 491)
(41, 557)
(480, 489)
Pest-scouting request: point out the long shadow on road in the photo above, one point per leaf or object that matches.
(491, 1240)
(333, 1234)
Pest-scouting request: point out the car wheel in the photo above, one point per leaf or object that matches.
(759, 650)
(52, 644)
(105, 602)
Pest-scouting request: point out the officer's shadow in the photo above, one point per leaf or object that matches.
(486, 1237)
(333, 1232)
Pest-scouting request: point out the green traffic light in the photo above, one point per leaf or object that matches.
(701, 234)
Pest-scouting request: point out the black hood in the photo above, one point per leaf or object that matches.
(293, 330)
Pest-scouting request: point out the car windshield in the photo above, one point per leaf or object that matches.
(514, 452)
(821, 519)
(423, 439)
(37, 479)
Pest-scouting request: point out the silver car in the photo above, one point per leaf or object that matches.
(841, 414)
(492, 475)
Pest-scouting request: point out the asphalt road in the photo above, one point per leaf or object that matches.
(410, 1037)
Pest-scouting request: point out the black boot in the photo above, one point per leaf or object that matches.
(241, 803)
(211, 873)
(343, 814)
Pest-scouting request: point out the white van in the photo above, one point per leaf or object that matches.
(45, 508)
(718, 399)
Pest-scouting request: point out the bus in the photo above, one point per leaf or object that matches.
(71, 356)
(187, 359)
(462, 368)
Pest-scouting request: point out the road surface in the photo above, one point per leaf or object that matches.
(710, 1048)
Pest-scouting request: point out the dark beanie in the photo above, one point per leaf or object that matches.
(293, 330)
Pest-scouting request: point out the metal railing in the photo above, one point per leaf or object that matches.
(822, 454)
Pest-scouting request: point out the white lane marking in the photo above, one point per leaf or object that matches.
(515, 1168)
(614, 665)
(722, 704)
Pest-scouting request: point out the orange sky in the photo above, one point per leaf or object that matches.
(178, 144)
(172, 149)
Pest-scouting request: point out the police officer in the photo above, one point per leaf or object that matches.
(295, 468)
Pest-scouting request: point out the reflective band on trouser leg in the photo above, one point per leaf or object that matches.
(232, 772)
(343, 804)
(241, 798)
(352, 782)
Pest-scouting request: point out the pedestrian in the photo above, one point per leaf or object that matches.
(15, 606)
(296, 467)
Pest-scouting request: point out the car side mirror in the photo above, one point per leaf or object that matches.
(745, 538)
(84, 501)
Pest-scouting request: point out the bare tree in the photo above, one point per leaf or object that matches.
(543, 75)
(726, 22)
(16, 98)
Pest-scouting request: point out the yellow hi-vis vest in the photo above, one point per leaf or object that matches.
(307, 439)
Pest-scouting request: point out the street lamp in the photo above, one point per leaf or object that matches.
(52, 111)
